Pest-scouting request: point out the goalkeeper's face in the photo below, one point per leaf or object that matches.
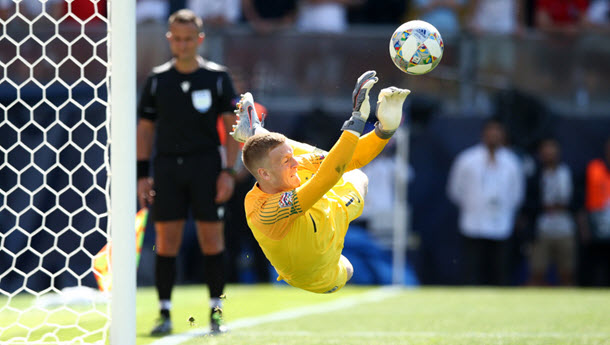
(282, 169)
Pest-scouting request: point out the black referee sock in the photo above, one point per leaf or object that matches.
(215, 273)
(165, 275)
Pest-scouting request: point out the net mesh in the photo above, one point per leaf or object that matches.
(54, 185)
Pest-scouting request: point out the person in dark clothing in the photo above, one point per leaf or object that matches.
(178, 110)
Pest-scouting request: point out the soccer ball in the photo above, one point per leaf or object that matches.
(416, 47)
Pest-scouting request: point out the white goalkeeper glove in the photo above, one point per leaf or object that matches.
(360, 102)
(389, 111)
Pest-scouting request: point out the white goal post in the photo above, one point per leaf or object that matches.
(400, 222)
(67, 170)
(122, 112)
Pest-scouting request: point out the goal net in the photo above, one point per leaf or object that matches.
(57, 171)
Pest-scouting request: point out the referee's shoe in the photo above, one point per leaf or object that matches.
(163, 326)
(216, 322)
(248, 119)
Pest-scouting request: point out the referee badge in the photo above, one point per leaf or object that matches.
(202, 100)
(286, 199)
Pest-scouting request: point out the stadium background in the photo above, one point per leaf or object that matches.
(555, 86)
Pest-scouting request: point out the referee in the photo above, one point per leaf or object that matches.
(178, 110)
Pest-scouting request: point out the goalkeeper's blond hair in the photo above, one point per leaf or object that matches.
(257, 149)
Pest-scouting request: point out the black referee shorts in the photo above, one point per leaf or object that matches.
(183, 182)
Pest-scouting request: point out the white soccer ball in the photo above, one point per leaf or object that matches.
(416, 47)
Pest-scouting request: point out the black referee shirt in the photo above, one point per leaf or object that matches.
(186, 107)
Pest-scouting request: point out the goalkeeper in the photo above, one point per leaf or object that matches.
(304, 199)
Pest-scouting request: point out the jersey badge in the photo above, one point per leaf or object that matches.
(202, 100)
(286, 199)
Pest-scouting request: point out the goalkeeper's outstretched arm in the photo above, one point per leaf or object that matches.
(389, 113)
(335, 164)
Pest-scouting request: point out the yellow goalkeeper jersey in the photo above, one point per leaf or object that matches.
(302, 231)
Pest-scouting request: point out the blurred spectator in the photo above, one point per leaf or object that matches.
(529, 13)
(31, 9)
(151, 19)
(560, 16)
(151, 11)
(176, 5)
(554, 239)
(268, 16)
(595, 221)
(443, 14)
(379, 12)
(216, 13)
(324, 15)
(486, 183)
(487, 18)
(86, 10)
(495, 17)
(598, 15)
(29, 50)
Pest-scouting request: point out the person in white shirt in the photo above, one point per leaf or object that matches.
(324, 15)
(487, 185)
(493, 22)
(555, 227)
(216, 13)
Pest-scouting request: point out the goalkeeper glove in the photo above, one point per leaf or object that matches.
(360, 102)
(389, 111)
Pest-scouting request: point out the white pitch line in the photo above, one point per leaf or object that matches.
(367, 297)
(428, 334)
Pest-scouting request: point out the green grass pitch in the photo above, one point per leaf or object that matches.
(271, 314)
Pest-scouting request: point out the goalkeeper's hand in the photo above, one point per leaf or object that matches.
(360, 95)
(389, 111)
(361, 106)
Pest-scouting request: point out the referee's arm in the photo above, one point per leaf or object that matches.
(144, 140)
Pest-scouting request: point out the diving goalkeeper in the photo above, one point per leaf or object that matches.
(304, 198)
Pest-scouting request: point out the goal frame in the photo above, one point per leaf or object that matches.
(122, 110)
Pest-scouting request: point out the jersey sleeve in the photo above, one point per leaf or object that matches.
(146, 107)
(369, 146)
(226, 93)
(329, 173)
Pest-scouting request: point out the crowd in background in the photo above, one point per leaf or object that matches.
(531, 198)
(560, 220)
(478, 16)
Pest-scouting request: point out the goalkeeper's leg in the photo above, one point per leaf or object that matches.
(359, 180)
(348, 267)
